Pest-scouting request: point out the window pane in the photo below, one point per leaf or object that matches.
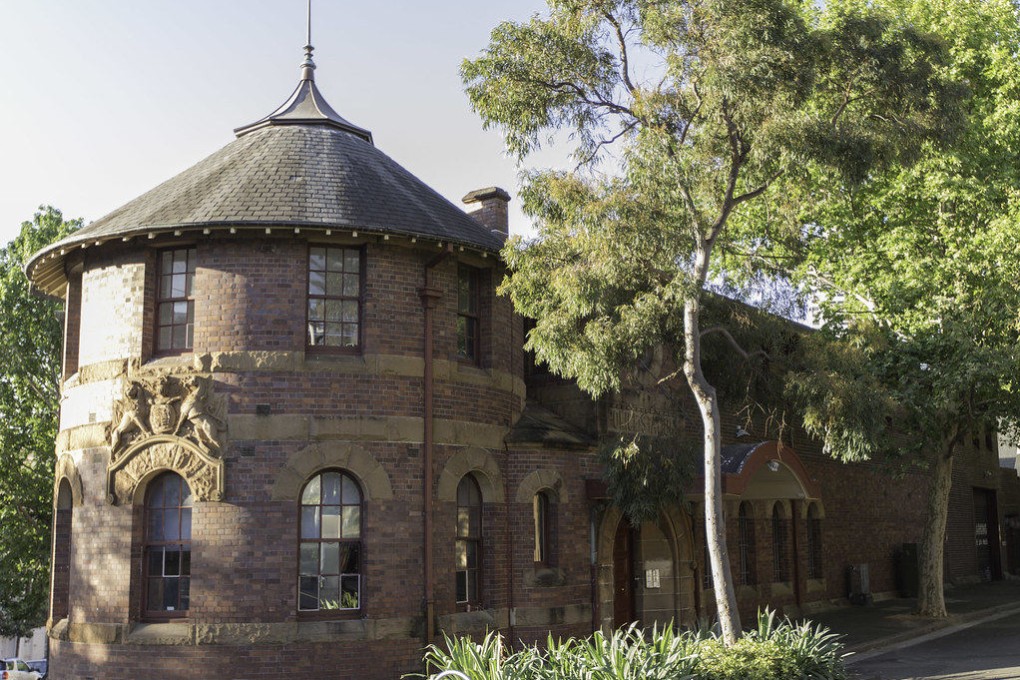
(310, 522)
(352, 260)
(166, 313)
(317, 258)
(316, 334)
(349, 592)
(165, 337)
(154, 599)
(178, 286)
(156, 494)
(329, 592)
(330, 563)
(351, 521)
(350, 311)
(472, 554)
(155, 528)
(186, 524)
(350, 558)
(180, 337)
(462, 559)
(462, 338)
(311, 492)
(309, 558)
(171, 525)
(185, 590)
(351, 494)
(187, 500)
(316, 310)
(316, 283)
(333, 309)
(351, 283)
(334, 284)
(335, 259)
(308, 587)
(331, 488)
(155, 565)
(180, 316)
(172, 565)
(170, 592)
(185, 562)
(461, 586)
(463, 522)
(330, 521)
(350, 335)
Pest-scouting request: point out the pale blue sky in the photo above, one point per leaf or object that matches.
(101, 100)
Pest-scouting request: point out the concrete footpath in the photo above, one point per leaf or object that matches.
(890, 624)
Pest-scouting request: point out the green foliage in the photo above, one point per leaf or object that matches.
(645, 474)
(775, 650)
(30, 342)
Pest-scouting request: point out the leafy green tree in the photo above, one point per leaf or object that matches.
(918, 275)
(30, 343)
(683, 114)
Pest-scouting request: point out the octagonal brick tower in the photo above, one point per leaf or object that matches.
(269, 358)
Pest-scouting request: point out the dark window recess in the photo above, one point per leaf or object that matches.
(167, 558)
(175, 303)
(329, 575)
(467, 313)
(334, 297)
(780, 547)
(745, 546)
(469, 541)
(540, 515)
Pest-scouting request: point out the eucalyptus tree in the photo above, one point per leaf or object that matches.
(30, 342)
(918, 274)
(681, 114)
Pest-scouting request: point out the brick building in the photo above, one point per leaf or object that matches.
(298, 438)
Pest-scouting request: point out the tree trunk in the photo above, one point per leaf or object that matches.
(931, 601)
(715, 526)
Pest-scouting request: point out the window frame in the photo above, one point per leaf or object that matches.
(472, 320)
(191, 266)
(161, 615)
(475, 538)
(360, 299)
(338, 613)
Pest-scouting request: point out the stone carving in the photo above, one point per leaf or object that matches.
(165, 422)
(202, 472)
(167, 405)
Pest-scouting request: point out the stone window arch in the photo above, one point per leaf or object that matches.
(166, 560)
(746, 549)
(815, 567)
(469, 542)
(62, 543)
(330, 552)
(781, 526)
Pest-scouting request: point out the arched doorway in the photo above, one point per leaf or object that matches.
(645, 572)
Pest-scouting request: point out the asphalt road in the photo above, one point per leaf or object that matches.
(986, 651)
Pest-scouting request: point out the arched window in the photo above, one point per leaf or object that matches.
(329, 575)
(469, 541)
(780, 545)
(745, 545)
(62, 551)
(541, 519)
(167, 562)
(814, 542)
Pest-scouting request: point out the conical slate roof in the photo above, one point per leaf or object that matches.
(303, 166)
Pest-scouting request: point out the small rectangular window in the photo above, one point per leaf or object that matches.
(175, 302)
(334, 297)
(467, 313)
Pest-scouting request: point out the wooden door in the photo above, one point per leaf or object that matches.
(623, 575)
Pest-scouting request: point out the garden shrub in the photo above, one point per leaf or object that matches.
(775, 650)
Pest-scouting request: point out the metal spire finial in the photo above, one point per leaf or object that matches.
(308, 65)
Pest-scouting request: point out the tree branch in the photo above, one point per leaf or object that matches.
(720, 330)
(622, 41)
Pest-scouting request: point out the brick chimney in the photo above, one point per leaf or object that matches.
(489, 207)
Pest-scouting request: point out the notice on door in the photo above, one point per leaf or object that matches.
(652, 578)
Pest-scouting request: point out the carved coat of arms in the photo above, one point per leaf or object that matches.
(168, 421)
